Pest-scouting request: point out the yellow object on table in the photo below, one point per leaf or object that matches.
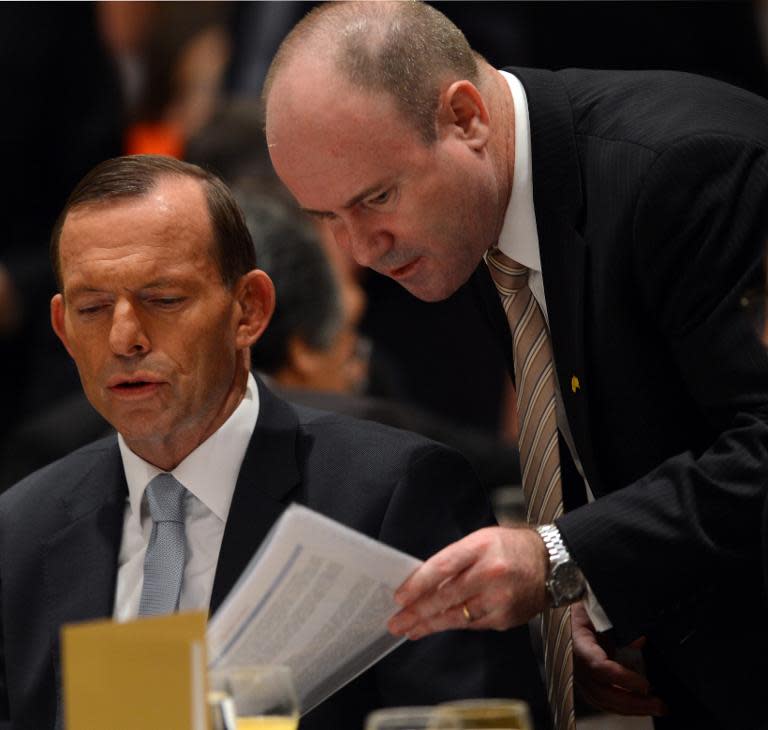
(148, 674)
(499, 714)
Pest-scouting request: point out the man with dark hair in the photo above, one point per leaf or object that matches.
(620, 215)
(159, 305)
(136, 175)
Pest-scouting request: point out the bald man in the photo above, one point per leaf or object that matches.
(633, 204)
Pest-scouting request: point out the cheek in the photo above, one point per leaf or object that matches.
(87, 351)
(210, 361)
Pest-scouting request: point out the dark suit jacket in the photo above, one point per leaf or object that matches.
(651, 199)
(60, 532)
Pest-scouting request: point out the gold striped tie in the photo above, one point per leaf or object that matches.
(539, 456)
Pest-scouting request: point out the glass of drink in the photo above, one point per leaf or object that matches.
(501, 714)
(253, 698)
(412, 718)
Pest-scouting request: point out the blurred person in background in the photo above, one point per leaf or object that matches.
(172, 59)
(313, 343)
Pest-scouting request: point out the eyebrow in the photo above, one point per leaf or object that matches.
(351, 203)
(154, 284)
(160, 283)
(76, 291)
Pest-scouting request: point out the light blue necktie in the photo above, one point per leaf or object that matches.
(164, 561)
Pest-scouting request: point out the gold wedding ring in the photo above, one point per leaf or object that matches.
(467, 614)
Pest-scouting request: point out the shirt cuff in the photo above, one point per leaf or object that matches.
(595, 611)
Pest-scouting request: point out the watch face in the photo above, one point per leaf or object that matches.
(568, 581)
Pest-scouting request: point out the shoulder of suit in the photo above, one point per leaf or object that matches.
(349, 434)
(58, 473)
(657, 108)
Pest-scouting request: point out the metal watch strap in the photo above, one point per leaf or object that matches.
(554, 543)
(565, 583)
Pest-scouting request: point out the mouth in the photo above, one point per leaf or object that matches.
(401, 272)
(136, 386)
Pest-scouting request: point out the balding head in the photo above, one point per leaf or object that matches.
(408, 50)
(383, 124)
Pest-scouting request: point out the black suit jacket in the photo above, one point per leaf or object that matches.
(60, 532)
(651, 199)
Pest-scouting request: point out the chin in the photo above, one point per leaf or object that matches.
(436, 289)
(140, 427)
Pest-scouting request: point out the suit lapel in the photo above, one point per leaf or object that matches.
(269, 473)
(557, 197)
(81, 558)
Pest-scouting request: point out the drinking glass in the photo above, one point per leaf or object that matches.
(500, 714)
(412, 718)
(253, 698)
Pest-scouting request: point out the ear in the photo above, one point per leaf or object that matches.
(463, 112)
(58, 313)
(255, 295)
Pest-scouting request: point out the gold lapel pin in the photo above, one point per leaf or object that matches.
(575, 384)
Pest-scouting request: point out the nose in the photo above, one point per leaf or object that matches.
(366, 243)
(127, 336)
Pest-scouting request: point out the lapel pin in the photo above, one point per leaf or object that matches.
(575, 384)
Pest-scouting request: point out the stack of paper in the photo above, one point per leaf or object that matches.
(316, 596)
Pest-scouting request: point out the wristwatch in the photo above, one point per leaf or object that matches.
(565, 583)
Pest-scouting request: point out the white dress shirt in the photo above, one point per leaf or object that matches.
(519, 239)
(209, 474)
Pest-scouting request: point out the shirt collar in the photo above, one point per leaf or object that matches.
(518, 238)
(210, 472)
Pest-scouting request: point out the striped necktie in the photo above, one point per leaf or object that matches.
(539, 456)
(166, 553)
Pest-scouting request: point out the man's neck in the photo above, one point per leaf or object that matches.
(167, 452)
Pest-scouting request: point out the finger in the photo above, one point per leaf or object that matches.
(614, 699)
(443, 608)
(454, 618)
(403, 622)
(592, 664)
(450, 593)
(473, 588)
(610, 672)
(442, 566)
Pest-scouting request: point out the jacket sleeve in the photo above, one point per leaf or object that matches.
(691, 524)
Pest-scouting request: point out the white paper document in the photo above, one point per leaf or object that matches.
(316, 596)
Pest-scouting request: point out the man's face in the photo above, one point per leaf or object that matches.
(420, 214)
(146, 316)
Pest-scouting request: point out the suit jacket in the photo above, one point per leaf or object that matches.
(651, 199)
(60, 532)
(494, 462)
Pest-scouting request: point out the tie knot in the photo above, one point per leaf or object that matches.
(165, 496)
(507, 274)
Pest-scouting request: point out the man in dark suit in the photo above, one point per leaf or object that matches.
(635, 206)
(160, 302)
